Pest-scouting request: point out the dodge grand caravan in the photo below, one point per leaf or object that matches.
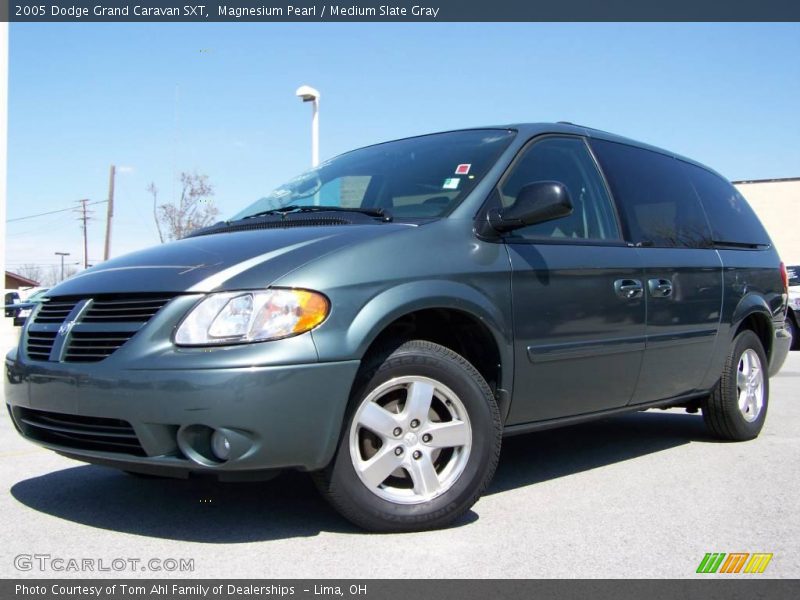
(383, 320)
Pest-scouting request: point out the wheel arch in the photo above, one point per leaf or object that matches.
(754, 314)
(451, 314)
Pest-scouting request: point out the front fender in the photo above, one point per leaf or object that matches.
(391, 304)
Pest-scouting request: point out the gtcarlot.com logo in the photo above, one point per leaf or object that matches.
(48, 562)
(735, 562)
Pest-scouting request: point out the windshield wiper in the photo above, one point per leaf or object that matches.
(378, 213)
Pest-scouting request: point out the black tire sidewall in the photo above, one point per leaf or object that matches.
(484, 423)
(743, 428)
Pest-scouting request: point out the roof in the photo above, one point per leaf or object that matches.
(528, 130)
(590, 132)
(20, 280)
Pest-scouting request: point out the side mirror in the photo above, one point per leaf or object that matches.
(536, 202)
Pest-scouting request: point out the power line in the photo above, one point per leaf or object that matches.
(40, 264)
(52, 212)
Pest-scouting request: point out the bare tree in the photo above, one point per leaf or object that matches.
(33, 272)
(194, 208)
(53, 275)
(153, 191)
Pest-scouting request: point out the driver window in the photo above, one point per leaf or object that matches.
(568, 161)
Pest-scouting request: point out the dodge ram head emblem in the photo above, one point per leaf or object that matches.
(65, 328)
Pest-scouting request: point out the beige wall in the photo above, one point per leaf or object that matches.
(777, 204)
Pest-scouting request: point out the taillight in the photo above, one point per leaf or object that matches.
(785, 278)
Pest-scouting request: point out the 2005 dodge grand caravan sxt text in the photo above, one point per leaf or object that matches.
(384, 319)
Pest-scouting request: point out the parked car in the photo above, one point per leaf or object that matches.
(10, 298)
(792, 319)
(28, 304)
(384, 319)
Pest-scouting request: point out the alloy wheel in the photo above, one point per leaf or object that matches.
(410, 440)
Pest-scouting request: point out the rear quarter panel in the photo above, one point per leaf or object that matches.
(751, 284)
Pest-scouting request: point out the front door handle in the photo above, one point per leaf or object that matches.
(628, 288)
(660, 288)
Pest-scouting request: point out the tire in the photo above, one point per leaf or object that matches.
(388, 475)
(736, 410)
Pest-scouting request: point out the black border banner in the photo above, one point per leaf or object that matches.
(37, 11)
(733, 588)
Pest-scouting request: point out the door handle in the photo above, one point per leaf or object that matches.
(628, 288)
(660, 288)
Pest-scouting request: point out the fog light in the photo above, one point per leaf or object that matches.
(220, 445)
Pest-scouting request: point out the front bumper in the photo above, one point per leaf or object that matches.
(278, 416)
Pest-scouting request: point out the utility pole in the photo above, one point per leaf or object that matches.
(84, 218)
(110, 213)
(62, 255)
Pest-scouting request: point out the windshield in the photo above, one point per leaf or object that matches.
(418, 177)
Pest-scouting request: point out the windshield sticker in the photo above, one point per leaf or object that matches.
(463, 169)
(451, 183)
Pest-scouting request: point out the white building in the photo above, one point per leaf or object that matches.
(777, 204)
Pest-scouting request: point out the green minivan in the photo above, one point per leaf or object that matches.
(383, 320)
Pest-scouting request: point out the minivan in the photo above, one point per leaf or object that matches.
(384, 319)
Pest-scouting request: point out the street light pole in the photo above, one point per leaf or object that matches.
(62, 255)
(315, 133)
(308, 94)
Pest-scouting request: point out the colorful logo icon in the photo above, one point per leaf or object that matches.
(736, 562)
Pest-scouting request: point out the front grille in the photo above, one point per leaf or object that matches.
(102, 325)
(123, 310)
(40, 343)
(75, 431)
(93, 346)
(55, 311)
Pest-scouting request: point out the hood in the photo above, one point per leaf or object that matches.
(246, 259)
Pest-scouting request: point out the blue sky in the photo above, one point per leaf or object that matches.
(219, 99)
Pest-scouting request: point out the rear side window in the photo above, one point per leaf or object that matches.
(659, 204)
(732, 219)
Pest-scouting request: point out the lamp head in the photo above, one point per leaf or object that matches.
(307, 94)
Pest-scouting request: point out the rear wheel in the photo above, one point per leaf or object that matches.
(420, 445)
(737, 407)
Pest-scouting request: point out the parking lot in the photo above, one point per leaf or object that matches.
(642, 495)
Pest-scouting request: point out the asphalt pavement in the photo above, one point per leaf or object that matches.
(644, 495)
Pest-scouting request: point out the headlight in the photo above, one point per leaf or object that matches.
(257, 316)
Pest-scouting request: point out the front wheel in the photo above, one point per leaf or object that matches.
(420, 445)
(737, 407)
